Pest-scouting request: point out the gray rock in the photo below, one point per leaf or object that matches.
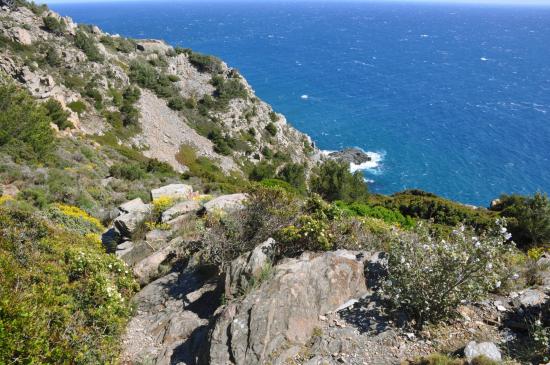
(247, 267)
(148, 269)
(487, 349)
(157, 237)
(350, 155)
(173, 191)
(226, 203)
(286, 308)
(179, 209)
(531, 297)
(124, 248)
(21, 36)
(135, 205)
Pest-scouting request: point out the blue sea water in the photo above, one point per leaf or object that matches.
(454, 98)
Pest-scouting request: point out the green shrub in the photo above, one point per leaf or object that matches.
(333, 181)
(418, 204)
(176, 103)
(62, 299)
(295, 175)
(261, 171)
(428, 276)
(88, 45)
(77, 106)
(127, 171)
(226, 90)
(273, 117)
(203, 63)
(387, 215)
(52, 57)
(25, 131)
(54, 25)
(57, 114)
(529, 218)
(271, 129)
(147, 76)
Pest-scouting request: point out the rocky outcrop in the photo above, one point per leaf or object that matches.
(225, 203)
(182, 208)
(173, 191)
(354, 156)
(286, 307)
(133, 213)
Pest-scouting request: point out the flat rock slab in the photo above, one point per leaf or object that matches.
(226, 203)
(173, 191)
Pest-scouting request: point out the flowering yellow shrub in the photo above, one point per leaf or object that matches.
(162, 203)
(5, 198)
(93, 238)
(535, 253)
(75, 212)
(151, 226)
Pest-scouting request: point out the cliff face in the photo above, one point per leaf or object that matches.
(186, 99)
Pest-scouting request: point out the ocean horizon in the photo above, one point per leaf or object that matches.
(451, 99)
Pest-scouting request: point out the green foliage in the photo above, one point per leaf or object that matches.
(54, 25)
(273, 117)
(52, 57)
(88, 45)
(226, 90)
(77, 106)
(387, 215)
(419, 204)
(93, 93)
(62, 299)
(295, 175)
(147, 76)
(203, 63)
(57, 114)
(209, 172)
(129, 113)
(276, 183)
(428, 276)
(529, 218)
(120, 44)
(176, 103)
(261, 171)
(271, 129)
(25, 131)
(128, 171)
(333, 181)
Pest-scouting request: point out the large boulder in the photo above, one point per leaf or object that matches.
(226, 203)
(133, 214)
(173, 191)
(150, 267)
(21, 36)
(285, 309)
(248, 268)
(487, 349)
(179, 209)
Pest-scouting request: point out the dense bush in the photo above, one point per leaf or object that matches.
(147, 76)
(529, 218)
(295, 175)
(88, 45)
(52, 57)
(54, 25)
(203, 63)
(333, 181)
(419, 204)
(120, 44)
(261, 171)
(127, 171)
(57, 114)
(25, 131)
(62, 299)
(428, 276)
(385, 214)
(271, 129)
(77, 106)
(226, 90)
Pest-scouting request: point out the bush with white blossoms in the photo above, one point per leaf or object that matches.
(428, 276)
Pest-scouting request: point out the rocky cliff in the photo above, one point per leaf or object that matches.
(185, 98)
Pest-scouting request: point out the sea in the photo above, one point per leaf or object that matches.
(452, 99)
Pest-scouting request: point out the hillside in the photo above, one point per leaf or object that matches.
(154, 211)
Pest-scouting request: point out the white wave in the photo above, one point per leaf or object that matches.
(304, 97)
(484, 59)
(372, 165)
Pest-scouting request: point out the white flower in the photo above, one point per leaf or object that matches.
(489, 266)
(503, 230)
(402, 260)
(507, 236)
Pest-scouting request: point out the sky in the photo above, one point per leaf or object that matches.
(496, 2)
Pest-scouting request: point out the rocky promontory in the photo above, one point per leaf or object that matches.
(353, 155)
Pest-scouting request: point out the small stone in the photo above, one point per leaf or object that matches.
(488, 349)
(410, 336)
(322, 318)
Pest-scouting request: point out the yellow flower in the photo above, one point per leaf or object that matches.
(5, 199)
(75, 212)
(93, 238)
(162, 203)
